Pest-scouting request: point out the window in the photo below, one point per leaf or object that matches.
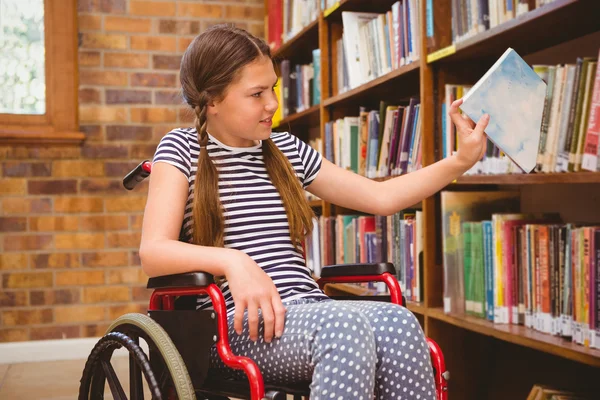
(38, 72)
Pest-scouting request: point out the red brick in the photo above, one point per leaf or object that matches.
(143, 152)
(77, 168)
(106, 294)
(136, 221)
(101, 186)
(168, 97)
(183, 43)
(89, 96)
(128, 97)
(94, 330)
(104, 222)
(54, 332)
(134, 258)
(244, 12)
(79, 241)
(71, 314)
(27, 242)
(140, 294)
(126, 133)
(102, 114)
(54, 186)
(13, 261)
(154, 43)
(89, 58)
(88, 22)
(92, 132)
(123, 239)
(119, 169)
(13, 224)
(27, 280)
(51, 223)
(125, 203)
(152, 8)
(103, 41)
(153, 114)
(52, 297)
(55, 260)
(104, 6)
(13, 299)
(79, 278)
(105, 259)
(26, 169)
(186, 115)
(104, 151)
(60, 152)
(126, 60)
(27, 317)
(125, 24)
(133, 275)
(14, 335)
(102, 78)
(19, 205)
(179, 27)
(166, 62)
(148, 79)
(200, 10)
(115, 312)
(79, 204)
(13, 186)
(257, 30)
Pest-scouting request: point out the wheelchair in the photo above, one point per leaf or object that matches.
(179, 339)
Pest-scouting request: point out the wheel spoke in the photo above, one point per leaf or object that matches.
(113, 381)
(136, 390)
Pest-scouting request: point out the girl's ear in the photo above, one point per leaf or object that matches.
(212, 107)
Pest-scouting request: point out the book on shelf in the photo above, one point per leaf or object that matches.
(535, 269)
(286, 18)
(377, 143)
(348, 239)
(513, 95)
(569, 128)
(300, 85)
(374, 44)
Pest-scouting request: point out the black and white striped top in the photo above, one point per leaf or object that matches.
(255, 219)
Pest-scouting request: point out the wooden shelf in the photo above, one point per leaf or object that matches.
(309, 116)
(370, 88)
(379, 6)
(527, 33)
(301, 45)
(529, 179)
(315, 203)
(521, 335)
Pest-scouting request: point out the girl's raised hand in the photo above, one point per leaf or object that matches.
(471, 138)
(252, 288)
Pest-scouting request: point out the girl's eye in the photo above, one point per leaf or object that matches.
(256, 94)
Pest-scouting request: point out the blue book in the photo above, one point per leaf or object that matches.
(513, 95)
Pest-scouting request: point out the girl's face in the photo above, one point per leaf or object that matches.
(244, 115)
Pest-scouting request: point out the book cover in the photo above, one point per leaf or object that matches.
(513, 95)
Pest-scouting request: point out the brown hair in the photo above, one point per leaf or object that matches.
(210, 64)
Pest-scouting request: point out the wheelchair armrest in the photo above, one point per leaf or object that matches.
(332, 271)
(186, 280)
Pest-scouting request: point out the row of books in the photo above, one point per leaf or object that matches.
(374, 44)
(570, 122)
(520, 268)
(299, 85)
(471, 17)
(348, 239)
(545, 392)
(377, 143)
(286, 18)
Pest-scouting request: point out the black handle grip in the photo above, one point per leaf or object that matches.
(137, 175)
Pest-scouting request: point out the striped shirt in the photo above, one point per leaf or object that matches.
(255, 219)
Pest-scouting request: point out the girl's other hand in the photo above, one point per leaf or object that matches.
(471, 138)
(252, 288)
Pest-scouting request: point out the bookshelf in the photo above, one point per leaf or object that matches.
(486, 360)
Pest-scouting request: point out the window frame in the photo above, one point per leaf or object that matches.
(60, 123)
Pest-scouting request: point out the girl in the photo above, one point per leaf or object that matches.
(226, 197)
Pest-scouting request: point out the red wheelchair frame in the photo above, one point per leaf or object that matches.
(163, 299)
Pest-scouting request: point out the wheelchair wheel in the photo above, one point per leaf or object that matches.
(165, 373)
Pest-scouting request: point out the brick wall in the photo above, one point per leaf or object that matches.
(69, 232)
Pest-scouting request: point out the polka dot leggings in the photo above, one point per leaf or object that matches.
(347, 349)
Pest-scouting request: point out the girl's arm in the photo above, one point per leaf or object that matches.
(160, 251)
(347, 189)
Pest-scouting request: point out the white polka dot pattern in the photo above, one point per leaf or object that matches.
(349, 349)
